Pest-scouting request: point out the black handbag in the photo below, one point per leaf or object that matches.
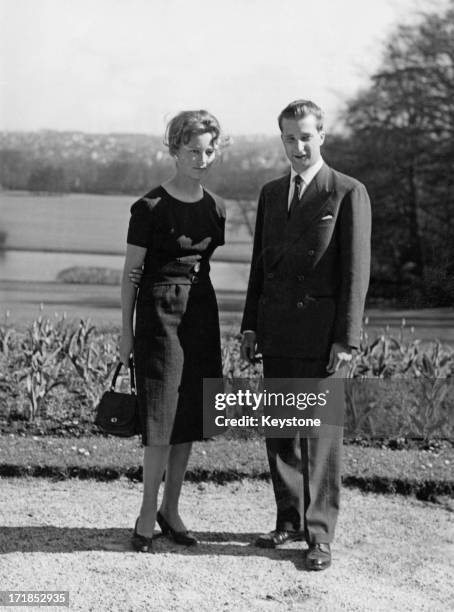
(117, 413)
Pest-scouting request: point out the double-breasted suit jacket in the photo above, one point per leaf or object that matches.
(310, 272)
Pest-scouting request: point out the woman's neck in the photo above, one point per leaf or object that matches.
(184, 187)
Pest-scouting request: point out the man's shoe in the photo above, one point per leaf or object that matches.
(318, 556)
(278, 537)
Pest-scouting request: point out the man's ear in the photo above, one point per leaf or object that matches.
(322, 137)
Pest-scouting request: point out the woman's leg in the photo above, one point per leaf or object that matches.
(154, 464)
(176, 468)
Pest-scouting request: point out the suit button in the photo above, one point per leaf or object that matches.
(270, 275)
(300, 277)
(311, 252)
(300, 304)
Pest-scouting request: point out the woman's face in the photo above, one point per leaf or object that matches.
(195, 157)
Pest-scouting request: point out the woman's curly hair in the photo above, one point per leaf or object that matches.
(187, 124)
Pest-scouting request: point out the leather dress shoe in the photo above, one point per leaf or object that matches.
(179, 537)
(318, 557)
(141, 543)
(278, 537)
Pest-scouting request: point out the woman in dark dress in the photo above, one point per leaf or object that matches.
(173, 231)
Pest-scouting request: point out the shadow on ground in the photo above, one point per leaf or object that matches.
(51, 539)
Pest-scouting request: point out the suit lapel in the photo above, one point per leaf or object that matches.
(309, 209)
(279, 210)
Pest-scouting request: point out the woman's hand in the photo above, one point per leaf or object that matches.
(126, 347)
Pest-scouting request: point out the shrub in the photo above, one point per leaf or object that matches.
(90, 275)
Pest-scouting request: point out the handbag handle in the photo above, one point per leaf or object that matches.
(131, 375)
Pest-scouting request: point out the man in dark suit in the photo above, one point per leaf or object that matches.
(304, 307)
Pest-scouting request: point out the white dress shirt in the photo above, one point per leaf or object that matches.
(306, 176)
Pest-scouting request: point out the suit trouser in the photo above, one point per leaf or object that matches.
(305, 472)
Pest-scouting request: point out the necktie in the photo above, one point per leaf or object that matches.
(296, 195)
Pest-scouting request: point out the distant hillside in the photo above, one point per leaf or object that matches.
(50, 161)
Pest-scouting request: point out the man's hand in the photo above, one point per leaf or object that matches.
(247, 349)
(339, 356)
(189, 259)
(135, 276)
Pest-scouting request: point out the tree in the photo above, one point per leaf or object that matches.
(401, 130)
(14, 169)
(47, 178)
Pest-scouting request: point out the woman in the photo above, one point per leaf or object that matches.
(173, 231)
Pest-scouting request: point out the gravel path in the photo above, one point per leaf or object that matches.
(391, 553)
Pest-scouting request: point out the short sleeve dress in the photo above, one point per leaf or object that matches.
(176, 335)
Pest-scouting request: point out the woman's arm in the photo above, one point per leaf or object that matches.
(135, 256)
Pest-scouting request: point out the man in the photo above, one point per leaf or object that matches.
(304, 307)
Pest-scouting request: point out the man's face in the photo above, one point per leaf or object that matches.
(302, 141)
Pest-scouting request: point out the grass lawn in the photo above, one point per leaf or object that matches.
(422, 473)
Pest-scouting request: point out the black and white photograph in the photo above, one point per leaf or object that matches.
(227, 305)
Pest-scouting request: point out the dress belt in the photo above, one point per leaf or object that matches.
(191, 278)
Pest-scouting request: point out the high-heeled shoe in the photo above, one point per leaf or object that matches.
(141, 543)
(179, 537)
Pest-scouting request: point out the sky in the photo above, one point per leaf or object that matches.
(129, 65)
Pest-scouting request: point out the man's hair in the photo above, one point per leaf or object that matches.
(187, 124)
(301, 108)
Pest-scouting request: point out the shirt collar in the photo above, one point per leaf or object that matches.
(309, 174)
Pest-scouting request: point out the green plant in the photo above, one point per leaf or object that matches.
(92, 356)
(41, 362)
(434, 369)
(6, 334)
(408, 384)
(415, 395)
